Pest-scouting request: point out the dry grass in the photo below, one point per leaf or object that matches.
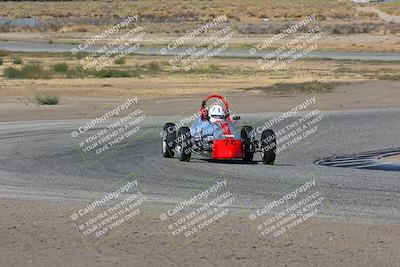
(166, 20)
(198, 10)
(392, 8)
(219, 75)
(358, 43)
(46, 99)
(313, 87)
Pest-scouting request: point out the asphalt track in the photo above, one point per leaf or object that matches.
(235, 53)
(39, 161)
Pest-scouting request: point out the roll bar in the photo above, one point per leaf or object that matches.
(204, 111)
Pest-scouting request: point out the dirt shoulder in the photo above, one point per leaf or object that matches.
(36, 233)
(366, 95)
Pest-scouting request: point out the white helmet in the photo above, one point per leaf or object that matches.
(216, 113)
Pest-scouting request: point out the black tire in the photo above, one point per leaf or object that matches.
(268, 147)
(168, 142)
(247, 134)
(184, 144)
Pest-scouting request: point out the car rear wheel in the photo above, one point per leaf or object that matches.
(184, 144)
(268, 147)
(247, 134)
(168, 142)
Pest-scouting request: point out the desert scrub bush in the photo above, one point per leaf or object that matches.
(77, 72)
(1, 61)
(120, 61)
(17, 60)
(21, 15)
(109, 73)
(34, 72)
(27, 72)
(3, 53)
(214, 68)
(61, 67)
(153, 67)
(46, 99)
(389, 77)
(10, 73)
(80, 55)
(303, 87)
(164, 63)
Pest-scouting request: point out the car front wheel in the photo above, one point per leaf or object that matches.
(184, 144)
(168, 141)
(268, 147)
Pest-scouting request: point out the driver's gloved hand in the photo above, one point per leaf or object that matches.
(197, 137)
(208, 138)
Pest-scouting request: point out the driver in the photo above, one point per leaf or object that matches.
(216, 114)
(209, 128)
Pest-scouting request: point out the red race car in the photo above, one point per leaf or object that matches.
(214, 134)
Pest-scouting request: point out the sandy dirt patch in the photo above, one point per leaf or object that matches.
(367, 95)
(36, 233)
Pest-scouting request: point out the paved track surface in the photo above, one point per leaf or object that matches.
(39, 161)
(236, 53)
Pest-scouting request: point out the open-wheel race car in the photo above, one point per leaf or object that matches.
(214, 134)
